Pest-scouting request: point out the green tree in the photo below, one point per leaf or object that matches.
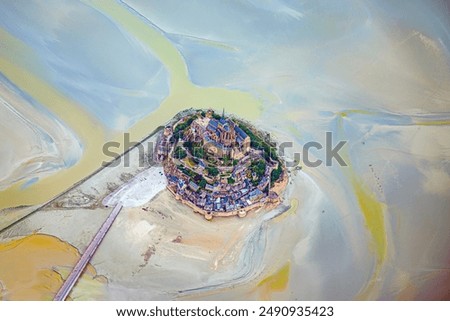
(213, 171)
(182, 126)
(202, 183)
(198, 152)
(226, 160)
(276, 173)
(188, 145)
(179, 153)
(259, 167)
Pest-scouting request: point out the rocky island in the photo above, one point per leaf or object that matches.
(218, 165)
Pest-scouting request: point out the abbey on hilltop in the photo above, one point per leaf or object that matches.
(220, 137)
(218, 166)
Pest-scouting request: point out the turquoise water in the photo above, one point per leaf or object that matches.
(89, 59)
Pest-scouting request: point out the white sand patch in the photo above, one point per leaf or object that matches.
(140, 190)
(142, 228)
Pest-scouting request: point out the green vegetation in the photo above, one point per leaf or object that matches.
(202, 183)
(258, 167)
(210, 160)
(187, 171)
(198, 152)
(258, 143)
(196, 149)
(188, 145)
(178, 135)
(270, 153)
(276, 173)
(254, 139)
(179, 153)
(180, 128)
(212, 171)
(227, 160)
(231, 180)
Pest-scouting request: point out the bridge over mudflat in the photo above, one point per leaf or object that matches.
(75, 274)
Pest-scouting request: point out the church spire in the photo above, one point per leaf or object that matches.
(223, 113)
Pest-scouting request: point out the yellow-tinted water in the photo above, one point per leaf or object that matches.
(72, 114)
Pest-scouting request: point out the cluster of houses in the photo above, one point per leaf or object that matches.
(235, 188)
(216, 199)
(163, 144)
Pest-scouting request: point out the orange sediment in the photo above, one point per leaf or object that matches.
(33, 268)
(276, 282)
